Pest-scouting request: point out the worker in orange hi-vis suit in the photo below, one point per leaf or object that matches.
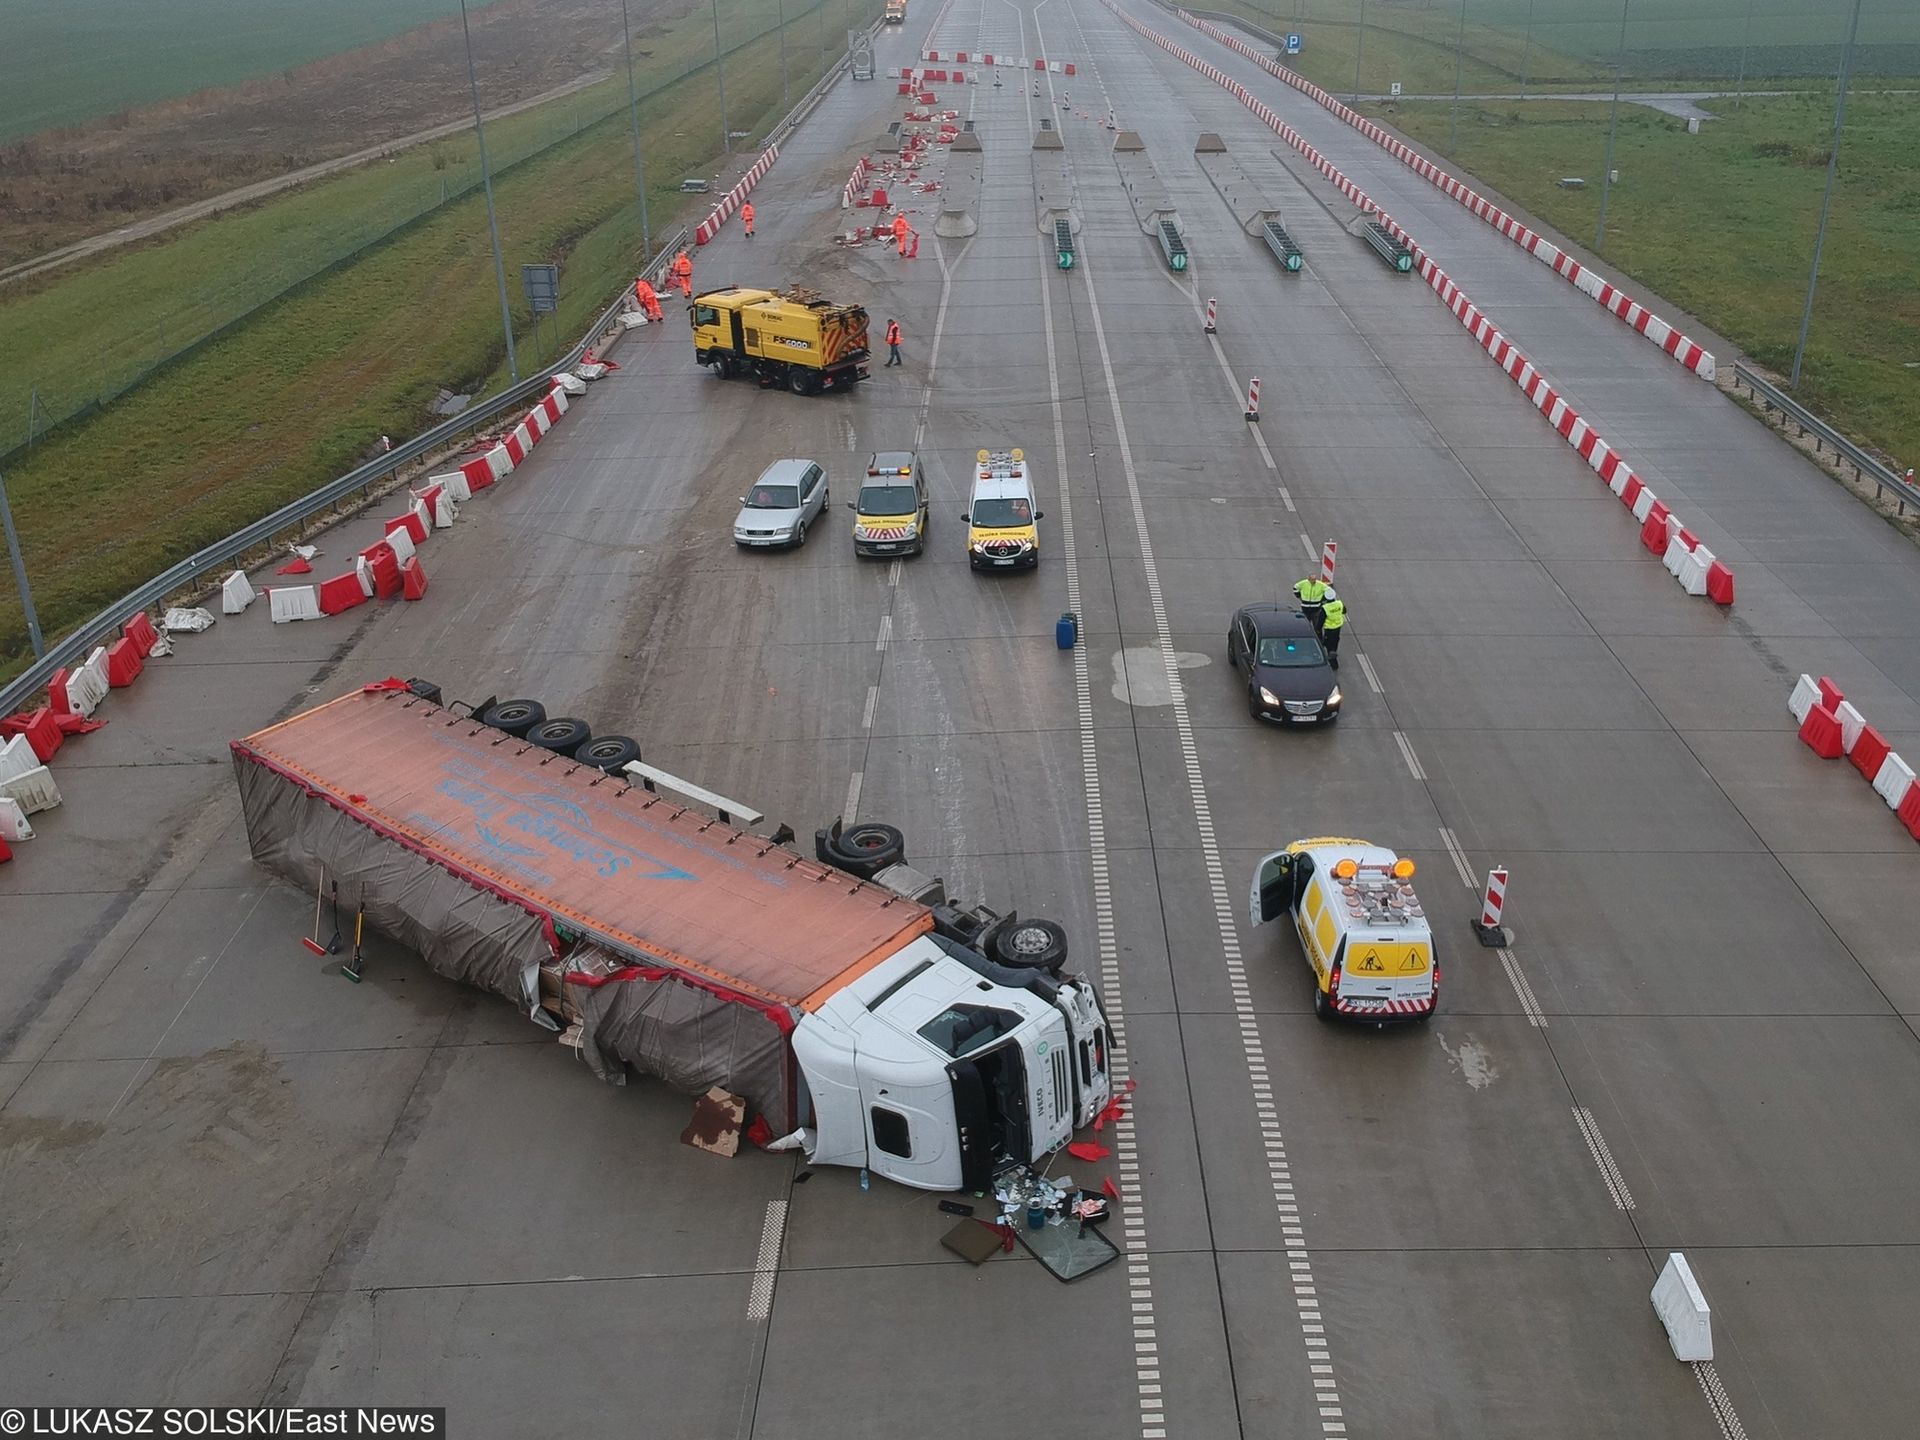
(900, 232)
(746, 218)
(683, 273)
(648, 297)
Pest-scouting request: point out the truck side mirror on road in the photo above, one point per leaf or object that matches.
(852, 506)
(964, 515)
(1039, 514)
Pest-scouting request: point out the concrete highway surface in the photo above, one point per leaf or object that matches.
(230, 1177)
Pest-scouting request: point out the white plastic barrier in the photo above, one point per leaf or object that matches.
(1893, 781)
(16, 758)
(33, 791)
(294, 602)
(1852, 722)
(1693, 573)
(363, 568)
(1806, 695)
(454, 483)
(236, 593)
(97, 664)
(569, 385)
(1683, 1309)
(1643, 502)
(593, 371)
(442, 511)
(424, 515)
(402, 542)
(13, 821)
(632, 319)
(525, 434)
(1677, 556)
(500, 462)
(537, 422)
(181, 620)
(85, 690)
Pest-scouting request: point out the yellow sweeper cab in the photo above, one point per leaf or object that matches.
(796, 338)
(1363, 929)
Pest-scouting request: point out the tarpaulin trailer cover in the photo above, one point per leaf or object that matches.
(475, 848)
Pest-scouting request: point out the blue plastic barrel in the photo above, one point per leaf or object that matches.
(1066, 630)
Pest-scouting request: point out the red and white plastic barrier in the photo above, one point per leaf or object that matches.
(1712, 576)
(1212, 309)
(1253, 398)
(856, 185)
(960, 57)
(1327, 553)
(1831, 728)
(1676, 344)
(736, 197)
(1493, 898)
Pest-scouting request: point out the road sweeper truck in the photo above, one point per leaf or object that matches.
(842, 995)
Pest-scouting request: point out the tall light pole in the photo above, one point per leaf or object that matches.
(1526, 55)
(20, 575)
(1826, 200)
(493, 221)
(720, 79)
(1746, 38)
(639, 168)
(1613, 124)
(780, 8)
(1459, 39)
(1359, 49)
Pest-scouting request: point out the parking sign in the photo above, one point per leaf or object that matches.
(1293, 44)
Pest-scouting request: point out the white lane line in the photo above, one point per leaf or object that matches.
(1366, 668)
(1603, 1157)
(767, 1265)
(1452, 842)
(1286, 499)
(1306, 544)
(893, 573)
(853, 438)
(1718, 1401)
(1536, 1017)
(1406, 752)
(853, 798)
(1286, 1203)
(1146, 1341)
(886, 632)
(873, 699)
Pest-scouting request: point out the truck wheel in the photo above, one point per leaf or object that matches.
(723, 367)
(563, 737)
(865, 850)
(516, 717)
(1322, 1006)
(1031, 945)
(608, 752)
(797, 381)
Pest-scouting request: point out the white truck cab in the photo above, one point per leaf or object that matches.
(937, 1063)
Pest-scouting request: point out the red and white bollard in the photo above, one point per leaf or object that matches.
(1492, 933)
(1211, 304)
(1326, 562)
(1253, 399)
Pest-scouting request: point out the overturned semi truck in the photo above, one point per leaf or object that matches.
(843, 996)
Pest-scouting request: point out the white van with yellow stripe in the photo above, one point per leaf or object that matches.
(1364, 931)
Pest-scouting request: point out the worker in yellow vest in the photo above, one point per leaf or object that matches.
(1312, 594)
(1333, 620)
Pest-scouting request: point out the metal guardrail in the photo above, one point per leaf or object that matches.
(1282, 245)
(225, 554)
(1865, 466)
(1389, 249)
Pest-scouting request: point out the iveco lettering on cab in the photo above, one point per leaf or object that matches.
(843, 997)
(1364, 931)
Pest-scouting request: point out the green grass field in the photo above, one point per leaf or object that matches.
(296, 395)
(1723, 222)
(1571, 44)
(95, 57)
(85, 333)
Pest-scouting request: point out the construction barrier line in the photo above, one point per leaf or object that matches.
(1716, 581)
(1610, 297)
(736, 197)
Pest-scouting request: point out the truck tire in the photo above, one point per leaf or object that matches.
(799, 382)
(1030, 945)
(867, 849)
(515, 717)
(608, 752)
(563, 737)
(723, 366)
(1322, 1006)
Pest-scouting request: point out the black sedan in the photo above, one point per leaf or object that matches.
(1288, 678)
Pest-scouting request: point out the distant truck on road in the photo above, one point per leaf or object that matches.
(844, 997)
(896, 13)
(794, 338)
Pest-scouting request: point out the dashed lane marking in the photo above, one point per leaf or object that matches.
(1616, 1183)
(1366, 669)
(853, 798)
(1406, 753)
(1286, 499)
(767, 1266)
(1306, 1293)
(893, 573)
(1718, 1401)
(886, 632)
(1459, 856)
(1536, 1017)
(1306, 544)
(873, 699)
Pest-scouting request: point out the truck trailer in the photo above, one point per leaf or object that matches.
(795, 338)
(842, 996)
